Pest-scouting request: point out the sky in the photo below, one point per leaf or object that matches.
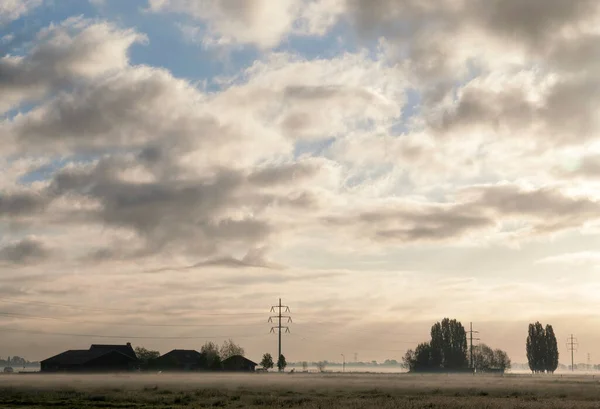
(171, 168)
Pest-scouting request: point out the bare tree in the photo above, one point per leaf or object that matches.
(321, 366)
(230, 348)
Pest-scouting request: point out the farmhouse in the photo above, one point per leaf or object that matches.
(99, 358)
(239, 363)
(180, 360)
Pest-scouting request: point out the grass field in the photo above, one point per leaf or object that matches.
(298, 391)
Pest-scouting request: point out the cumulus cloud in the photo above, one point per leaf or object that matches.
(62, 54)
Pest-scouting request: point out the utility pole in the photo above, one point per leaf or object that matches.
(279, 316)
(355, 357)
(589, 360)
(572, 345)
(471, 332)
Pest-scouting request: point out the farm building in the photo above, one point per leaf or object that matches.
(99, 358)
(239, 363)
(180, 360)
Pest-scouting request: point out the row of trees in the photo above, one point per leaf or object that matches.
(17, 362)
(447, 351)
(542, 348)
(267, 362)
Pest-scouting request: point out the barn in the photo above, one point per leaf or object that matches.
(180, 360)
(239, 363)
(99, 358)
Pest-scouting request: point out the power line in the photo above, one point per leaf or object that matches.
(471, 332)
(125, 337)
(17, 315)
(279, 327)
(572, 346)
(96, 309)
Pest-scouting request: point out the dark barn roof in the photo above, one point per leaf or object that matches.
(238, 361)
(81, 356)
(124, 349)
(182, 355)
(75, 356)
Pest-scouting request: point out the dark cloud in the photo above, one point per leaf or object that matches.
(255, 258)
(27, 251)
(545, 211)
(193, 215)
(546, 204)
(284, 174)
(20, 204)
(533, 22)
(120, 111)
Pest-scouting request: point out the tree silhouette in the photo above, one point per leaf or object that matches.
(448, 345)
(542, 348)
(145, 356)
(530, 346)
(211, 351)
(267, 361)
(229, 349)
(551, 350)
(281, 364)
(437, 346)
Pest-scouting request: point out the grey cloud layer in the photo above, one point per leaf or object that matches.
(478, 211)
(27, 251)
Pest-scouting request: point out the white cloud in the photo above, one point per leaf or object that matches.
(579, 258)
(13, 9)
(263, 23)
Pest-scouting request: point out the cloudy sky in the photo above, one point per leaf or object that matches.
(170, 168)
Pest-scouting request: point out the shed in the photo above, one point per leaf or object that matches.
(239, 363)
(180, 360)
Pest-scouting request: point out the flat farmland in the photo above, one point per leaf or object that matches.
(298, 391)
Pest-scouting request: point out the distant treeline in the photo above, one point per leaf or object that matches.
(387, 362)
(17, 362)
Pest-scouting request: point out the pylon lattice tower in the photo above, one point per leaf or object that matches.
(280, 309)
(572, 346)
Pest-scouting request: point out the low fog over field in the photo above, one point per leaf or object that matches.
(300, 390)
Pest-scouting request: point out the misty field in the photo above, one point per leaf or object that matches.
(298, 391)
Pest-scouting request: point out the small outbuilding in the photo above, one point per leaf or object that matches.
(239, 363)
